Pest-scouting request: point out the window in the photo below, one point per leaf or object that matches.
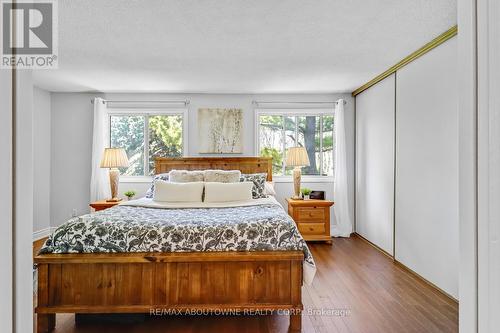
(279, 130)
(145, 136)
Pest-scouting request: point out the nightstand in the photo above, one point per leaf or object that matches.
(312, 218)
(103, 204)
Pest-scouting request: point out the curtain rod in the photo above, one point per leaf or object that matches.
(277, 102)
(185, 102)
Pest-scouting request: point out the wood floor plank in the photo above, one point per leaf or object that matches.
(379, 295)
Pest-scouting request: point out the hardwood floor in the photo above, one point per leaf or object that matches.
(356, 289)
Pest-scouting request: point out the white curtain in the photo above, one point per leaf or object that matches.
(343, 223)
(99, 182)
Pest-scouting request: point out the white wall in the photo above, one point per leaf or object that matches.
(6, 200)
(427, 167)
(375, 112)
(41, 154)
(72, 139)
(71, 145)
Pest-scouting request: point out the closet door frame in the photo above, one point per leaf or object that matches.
(488, 164)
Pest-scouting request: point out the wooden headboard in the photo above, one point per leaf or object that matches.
(244, 164)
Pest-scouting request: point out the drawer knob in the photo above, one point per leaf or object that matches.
(311, 229)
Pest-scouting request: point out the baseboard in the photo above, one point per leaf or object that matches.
(375, 246)
(43, 233)
(409, 270)
(420, 277)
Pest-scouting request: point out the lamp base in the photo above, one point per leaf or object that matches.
(114, 181)
(296, 182)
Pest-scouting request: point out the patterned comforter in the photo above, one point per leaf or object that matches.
(127, 228)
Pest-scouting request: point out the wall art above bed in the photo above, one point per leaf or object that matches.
(220, 131)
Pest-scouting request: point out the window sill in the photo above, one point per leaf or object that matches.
(136, 179)
(304, 179)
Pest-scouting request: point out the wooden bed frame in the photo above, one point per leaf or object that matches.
(217, 282)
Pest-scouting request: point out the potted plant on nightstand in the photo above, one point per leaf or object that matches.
(305, 193)
(129, 194)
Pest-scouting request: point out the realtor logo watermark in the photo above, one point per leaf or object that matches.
(29, 34)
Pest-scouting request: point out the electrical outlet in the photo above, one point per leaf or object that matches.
(74, 213)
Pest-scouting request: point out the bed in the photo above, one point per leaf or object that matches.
(155, 259)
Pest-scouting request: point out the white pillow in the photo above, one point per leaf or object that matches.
(224, 192)
(269, 188)
(222, 176)
(178, 192)
(186, 176)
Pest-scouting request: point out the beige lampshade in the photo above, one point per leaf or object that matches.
(297, 156)
(114, 158)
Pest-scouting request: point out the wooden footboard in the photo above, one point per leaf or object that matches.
(157, 283)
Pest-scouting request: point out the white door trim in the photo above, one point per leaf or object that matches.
(488, 130)
(467, 62)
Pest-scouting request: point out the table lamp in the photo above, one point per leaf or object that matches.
(297, 157)
(114, 158)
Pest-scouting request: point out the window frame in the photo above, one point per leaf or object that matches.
(146, 113)
(288, 112)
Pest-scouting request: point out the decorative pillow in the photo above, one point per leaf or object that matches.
(151, 190)
(186, 176)
(269, 188)
(178, 192)
(224, 192)
(222, 176)
(259, 180)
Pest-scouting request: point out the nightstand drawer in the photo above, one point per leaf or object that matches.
(310, 214)
(312, 218)
(311, 228)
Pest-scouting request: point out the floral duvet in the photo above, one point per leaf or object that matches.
(263, 226)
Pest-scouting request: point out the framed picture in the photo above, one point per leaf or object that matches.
(220, 131)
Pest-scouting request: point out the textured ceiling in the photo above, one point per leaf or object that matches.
(237, 46)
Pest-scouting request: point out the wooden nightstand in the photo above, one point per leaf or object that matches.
(312, 218)
(103, 204)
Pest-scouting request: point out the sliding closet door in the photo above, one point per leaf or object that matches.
(426, 224)
(375, 164)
